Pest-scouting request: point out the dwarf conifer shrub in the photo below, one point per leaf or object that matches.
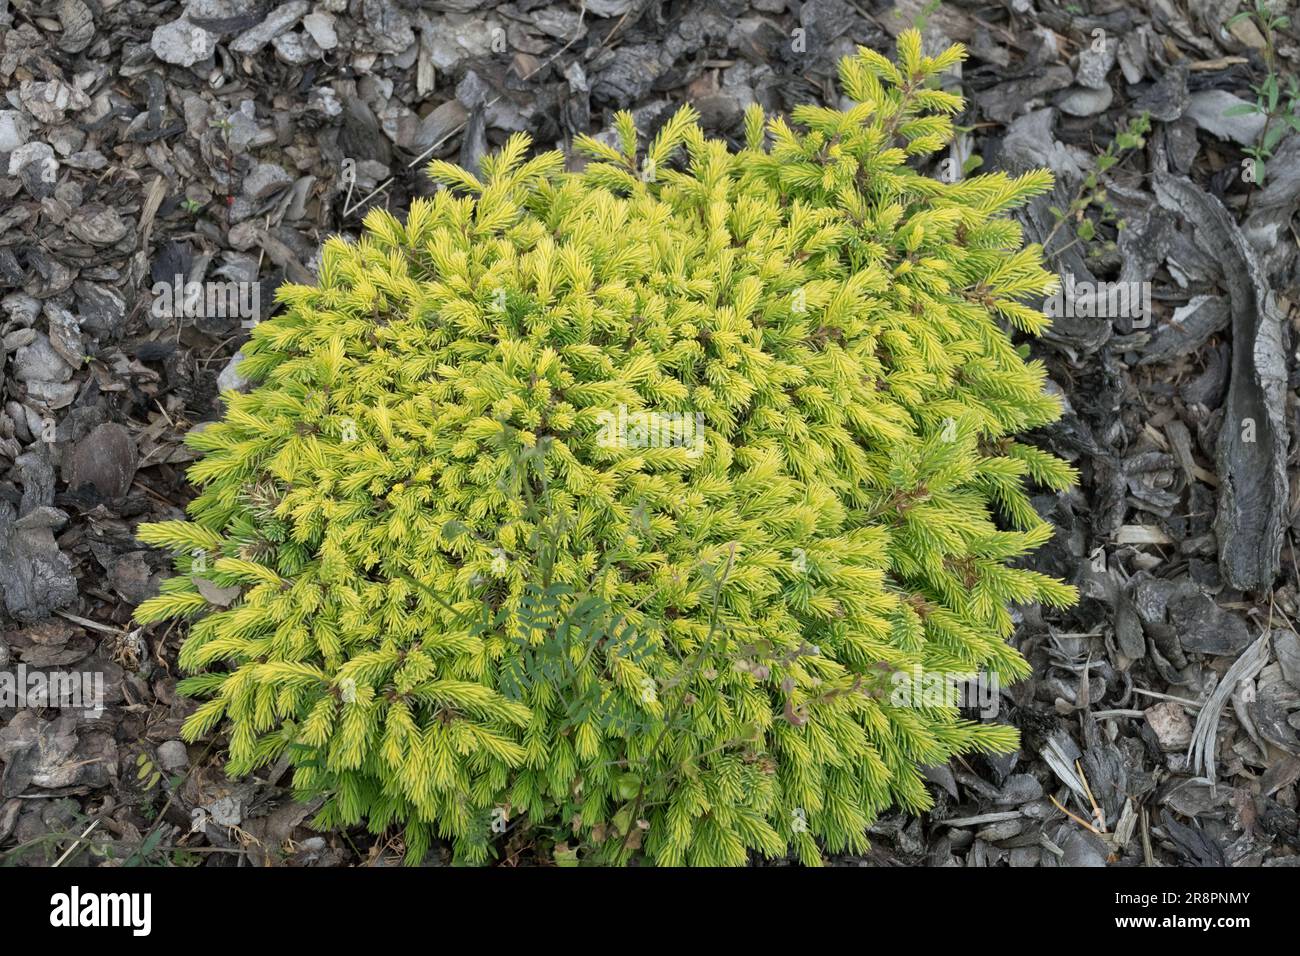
(605, 504)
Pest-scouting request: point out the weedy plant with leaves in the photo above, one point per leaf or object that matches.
(1278, 104)
(451, 600)
(1091, 193)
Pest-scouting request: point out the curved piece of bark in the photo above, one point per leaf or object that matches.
(1252, 444)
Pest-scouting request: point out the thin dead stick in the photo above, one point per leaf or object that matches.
(77, 842)
(1159, 696)
(1079, 820)
(1147, 855)
(1097, 813)
(87, 622)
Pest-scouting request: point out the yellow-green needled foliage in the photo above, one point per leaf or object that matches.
(604, 506)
